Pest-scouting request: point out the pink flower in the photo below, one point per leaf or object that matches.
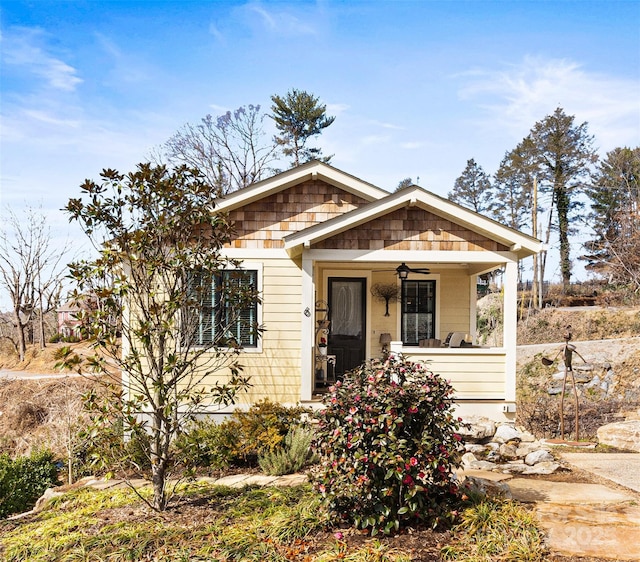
(413, 410)
(413, 461)
(408, 480)
(338, 535)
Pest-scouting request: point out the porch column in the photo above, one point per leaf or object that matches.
(473, 307)
(510, 321)
(307, 344)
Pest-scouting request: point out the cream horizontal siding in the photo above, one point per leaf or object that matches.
(274, 369)
(454, 303)
(476, 373)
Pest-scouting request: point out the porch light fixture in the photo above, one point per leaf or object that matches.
(403, 271)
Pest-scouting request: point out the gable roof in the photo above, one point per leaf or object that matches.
(413, 196)
(311, 170)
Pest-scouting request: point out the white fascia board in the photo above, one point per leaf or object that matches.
(311, 170)
(483, 259)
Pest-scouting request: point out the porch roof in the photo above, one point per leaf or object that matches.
(522, 245)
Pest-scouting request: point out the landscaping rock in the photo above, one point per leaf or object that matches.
(513, 468)
(45, 498)
(525, 448)
(485, 487)
(505, 433)
(621, 435)
(474, 448)
(476, 429)
(536, 457)
(542, 468)
(508, 451)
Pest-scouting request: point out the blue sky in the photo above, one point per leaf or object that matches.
(417, 88)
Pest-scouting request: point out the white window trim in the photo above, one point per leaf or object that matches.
(419, 277)
(257, 267)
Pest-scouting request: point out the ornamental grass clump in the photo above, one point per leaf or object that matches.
(388, 445)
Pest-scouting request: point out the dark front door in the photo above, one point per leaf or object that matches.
(347, 312)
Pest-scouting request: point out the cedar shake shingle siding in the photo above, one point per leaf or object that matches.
(264, 223)
(410, 229)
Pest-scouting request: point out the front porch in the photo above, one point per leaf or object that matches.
(479, 374)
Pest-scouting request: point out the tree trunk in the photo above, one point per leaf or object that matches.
(22, 342)
(562, 205)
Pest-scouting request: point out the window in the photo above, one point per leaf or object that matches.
(225, 311)
(418, 311)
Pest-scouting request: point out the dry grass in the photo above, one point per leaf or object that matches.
(39, 413)
(549, 325)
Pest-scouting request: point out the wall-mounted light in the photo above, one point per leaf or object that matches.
(385, 340)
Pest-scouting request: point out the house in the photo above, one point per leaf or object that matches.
(316, 240)
(68, 322)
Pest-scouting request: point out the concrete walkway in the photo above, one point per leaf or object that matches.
(621, 468)
(580, 519)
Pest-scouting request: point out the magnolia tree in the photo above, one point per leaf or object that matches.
(166, 318)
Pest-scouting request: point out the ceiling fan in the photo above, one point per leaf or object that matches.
(403, 270)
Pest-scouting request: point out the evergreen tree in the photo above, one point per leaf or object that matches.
(299, 116)
(473, 189)
(615, 217)
(562, 153)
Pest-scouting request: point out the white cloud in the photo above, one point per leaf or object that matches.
(21, 49)
(529, 91)
(388, 125)
(374, 139)
(213, 30)
(47, 118)
(412, 145)
(337, 108)
(280, 21)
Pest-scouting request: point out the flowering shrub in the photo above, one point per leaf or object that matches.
(388, 445)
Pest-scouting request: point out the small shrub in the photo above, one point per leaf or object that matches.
(388, 445)
(496, 530)
(290, 456)
(206, 443)
(103, 448)
(240, 439)
(24, 480)
(262, 428)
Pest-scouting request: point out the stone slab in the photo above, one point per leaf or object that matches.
(260, 480)
(290, 480)
(621, 468)
(234, 481)
(484, 474)
(604, 531)
(105, 484)
(533, 490)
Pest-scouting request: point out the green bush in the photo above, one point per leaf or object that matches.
(291, 455)
(240, 439)
(102, 448)
(206, 443)
(388, 445)
(24, 480)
